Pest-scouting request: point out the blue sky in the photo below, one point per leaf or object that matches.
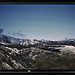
(50, 22)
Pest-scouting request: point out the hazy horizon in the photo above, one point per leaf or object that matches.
(50, 22)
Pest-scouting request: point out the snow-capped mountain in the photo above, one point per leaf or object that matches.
(11, 40)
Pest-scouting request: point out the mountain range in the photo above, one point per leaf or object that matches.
(4, 39)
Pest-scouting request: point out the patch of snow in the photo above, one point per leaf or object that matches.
(34, 57)
(6, 65)
(13, 50)
(70, 47)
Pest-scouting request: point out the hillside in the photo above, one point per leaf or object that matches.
(35, 58)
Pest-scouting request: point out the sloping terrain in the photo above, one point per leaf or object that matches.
(35, 58)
